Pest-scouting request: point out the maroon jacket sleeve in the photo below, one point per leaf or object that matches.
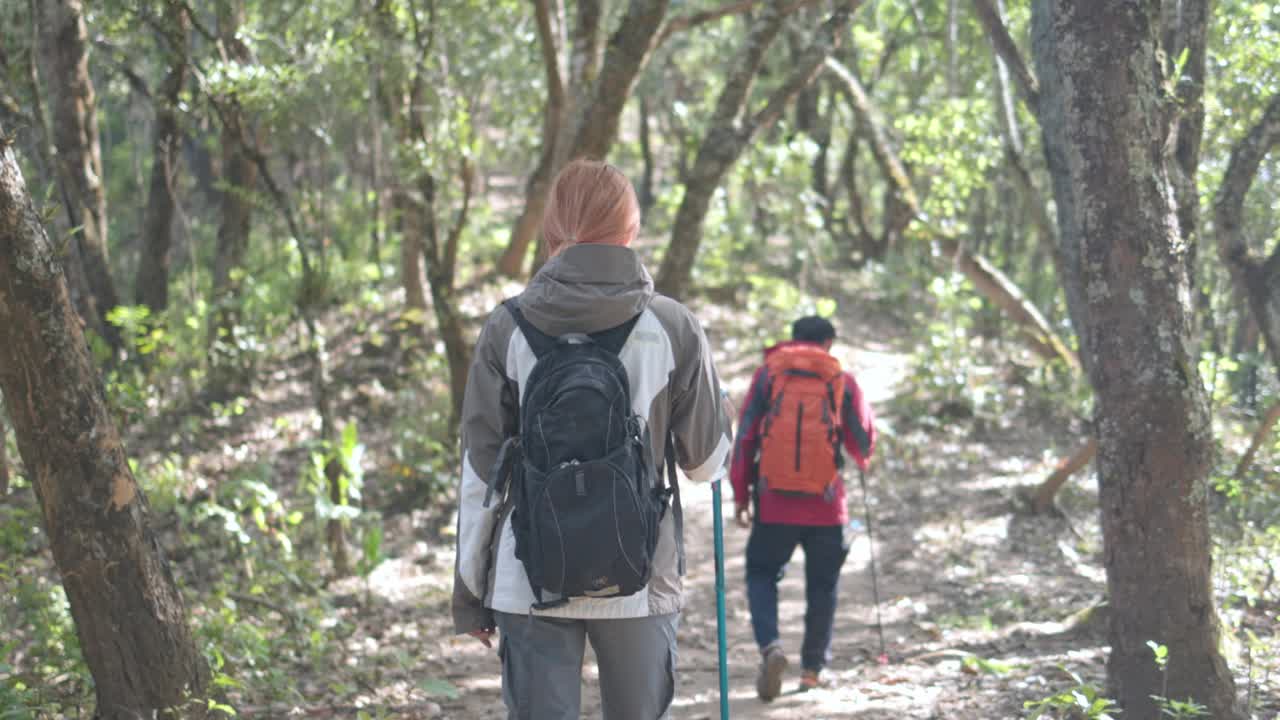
(742, 472)
(859, 423)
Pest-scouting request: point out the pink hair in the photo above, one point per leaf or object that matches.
(590, 202)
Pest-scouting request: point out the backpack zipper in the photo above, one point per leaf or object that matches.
(799, 427)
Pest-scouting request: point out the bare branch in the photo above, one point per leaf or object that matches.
(738, 7)
(467, 173)
(1004, 45)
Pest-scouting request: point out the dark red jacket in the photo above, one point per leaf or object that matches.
(859, 440)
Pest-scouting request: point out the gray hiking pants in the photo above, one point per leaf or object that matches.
(542, 666)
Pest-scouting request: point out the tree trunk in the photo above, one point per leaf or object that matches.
(538, 187)
(812, 121)
(646, 194)
(1188, 31)
(152, 285)
(627, 54)
(953, 48)
(129, 616)
(65, 51)
(1120, 237)
(572, 99)
(1029, 88)
(442, 263)
(4, 457)
(586, 57)
(1264, 300)
(240, 179)
(411, 231)
(730, 133)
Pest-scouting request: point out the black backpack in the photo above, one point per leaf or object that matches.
(586, 502)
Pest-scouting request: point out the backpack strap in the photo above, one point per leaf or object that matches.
(612, 339)
(677, 510)
(500, 474)
(541, 342)
(615, 337)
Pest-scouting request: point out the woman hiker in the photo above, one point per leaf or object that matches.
(567, 530)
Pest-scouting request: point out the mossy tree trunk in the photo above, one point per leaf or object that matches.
(1106, 124)
(129, 616)
(64, 48)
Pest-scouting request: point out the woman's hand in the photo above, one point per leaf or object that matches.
(484, 635)
(743, 516)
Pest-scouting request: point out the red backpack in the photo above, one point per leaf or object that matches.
(800, 443)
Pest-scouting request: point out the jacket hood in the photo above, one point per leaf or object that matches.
(586, 289)
(787, 343)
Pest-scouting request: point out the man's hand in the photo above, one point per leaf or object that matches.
(484, 635)
(743, 516)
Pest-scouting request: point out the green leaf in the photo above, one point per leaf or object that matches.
(350, 439)
(440, 688)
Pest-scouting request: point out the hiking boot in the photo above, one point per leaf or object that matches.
(772, 666)
(811, 680)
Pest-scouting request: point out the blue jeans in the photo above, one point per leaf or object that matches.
(768, 551)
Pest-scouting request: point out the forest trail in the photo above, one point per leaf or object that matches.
(961, 575)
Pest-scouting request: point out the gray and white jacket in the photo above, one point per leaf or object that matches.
(674, 386)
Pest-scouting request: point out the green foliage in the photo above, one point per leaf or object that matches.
(1161, 654)
(54, 678)
(348, 454)
(987, 666)
(944, 365)
(1082, 701)
(1178, 709)
(236, 482)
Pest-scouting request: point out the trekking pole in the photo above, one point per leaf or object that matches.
(883, 658)
(721, 642)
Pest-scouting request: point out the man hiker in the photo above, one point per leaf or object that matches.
(801, 408)
(584, 392)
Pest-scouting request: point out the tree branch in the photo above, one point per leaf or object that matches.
(1246, 158)
(881, 148)
(1260, 435)
(810, 65)
(199, 27)
(692, 20)
(467, 172)
(549, 43)
(629, 50)
(738, 7)
(135, 80)
(1004, 45)
(987, 278)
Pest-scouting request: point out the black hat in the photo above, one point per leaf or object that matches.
(814, 329)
